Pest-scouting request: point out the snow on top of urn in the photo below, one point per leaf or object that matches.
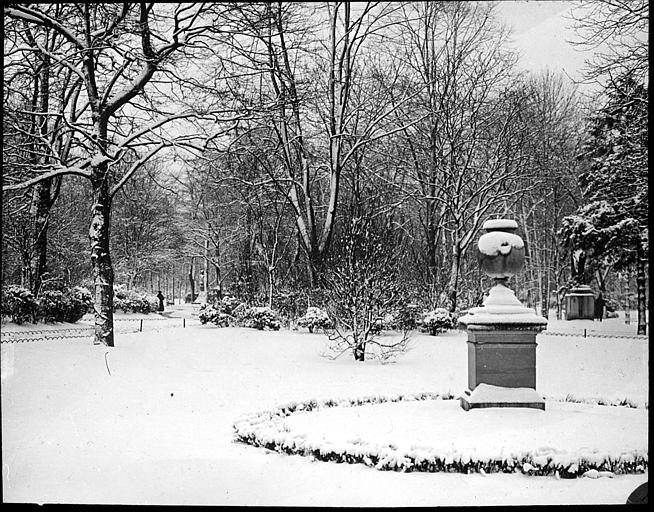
(500, 224)
(497, 242)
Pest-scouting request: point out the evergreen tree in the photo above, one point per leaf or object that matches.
(611, 227)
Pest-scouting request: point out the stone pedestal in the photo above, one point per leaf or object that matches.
(503, 356)
(580, 304)
(502, 353)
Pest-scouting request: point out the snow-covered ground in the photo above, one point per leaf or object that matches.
(150, 421)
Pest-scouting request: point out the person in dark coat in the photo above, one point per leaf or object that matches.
(599, 307)
(161, 297)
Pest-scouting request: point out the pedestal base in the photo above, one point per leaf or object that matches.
(502, 356)
(580, 304)
(486, 395)
(502, 353)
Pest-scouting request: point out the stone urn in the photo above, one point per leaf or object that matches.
(502, 332)
(500, 252)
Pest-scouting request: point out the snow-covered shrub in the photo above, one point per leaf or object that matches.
(240, 311)
(228, 304)
(223, 312)
(129, 301)
(64, 305)
(51, 306)
(78, 304)
(408, 317)
(315, 318)
(437, 321)
(291, 305)
(58, 304)
(19, 304)
(211, 314)
(260, 318)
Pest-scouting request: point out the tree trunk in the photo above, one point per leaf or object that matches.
(642, 299)
(453, 284)
(39, 213)
(271, 287)
(41, 199)
(430, 238)
(190, 278)
(315, 264)
(103, 274)
(545, 295)
(206, 268)
(360, 351)
(627, 302)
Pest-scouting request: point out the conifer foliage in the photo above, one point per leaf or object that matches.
(611, 226)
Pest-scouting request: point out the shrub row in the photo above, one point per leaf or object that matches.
(229, 311)
(129, 301)
(294, 307)
(66, 305)
(266, 429)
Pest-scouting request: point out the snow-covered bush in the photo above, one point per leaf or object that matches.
(315, 318)
(129, 301)
(79, 302)
(209, 313)
(240, 311)
(260, 318)
(19, 304)
(292, 305)
(437, 321)
(52, 306)
(228, 304)
(222, 313)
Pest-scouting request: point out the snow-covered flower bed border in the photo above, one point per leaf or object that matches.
(266, 429)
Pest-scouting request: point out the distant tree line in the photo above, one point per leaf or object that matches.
(231, 148)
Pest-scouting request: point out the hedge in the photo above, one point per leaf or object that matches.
(265, 429)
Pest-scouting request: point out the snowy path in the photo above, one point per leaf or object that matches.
(158, 429)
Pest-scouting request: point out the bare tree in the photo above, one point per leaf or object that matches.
(617, 31)
(146, 237)
(307, 99)
(37, 90)
(466, 154)
(364, 287)
(113, 51)
(554, 120)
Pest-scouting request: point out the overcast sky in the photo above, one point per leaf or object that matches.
(541, 35)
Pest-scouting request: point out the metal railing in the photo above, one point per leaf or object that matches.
(85, 330)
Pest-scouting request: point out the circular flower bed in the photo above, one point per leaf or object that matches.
(270, 429)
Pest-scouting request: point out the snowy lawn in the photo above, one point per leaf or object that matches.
(150, 421)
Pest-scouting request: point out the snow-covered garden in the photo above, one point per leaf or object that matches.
(325, 254)
(152, 421)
